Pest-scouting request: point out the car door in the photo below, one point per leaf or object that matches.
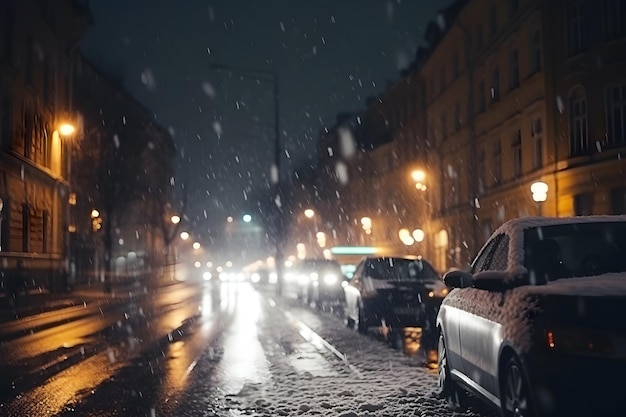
(480, 336)
(453, 316)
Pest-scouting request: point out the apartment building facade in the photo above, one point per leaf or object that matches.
(39, 39)
(515, 93)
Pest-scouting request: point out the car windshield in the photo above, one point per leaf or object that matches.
(394, 269)
(575, 250)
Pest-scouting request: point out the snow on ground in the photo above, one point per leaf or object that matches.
(376, 381)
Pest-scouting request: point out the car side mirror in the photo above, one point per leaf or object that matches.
(492, 281)
(458, 279)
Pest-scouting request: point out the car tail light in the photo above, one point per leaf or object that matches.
(579, 341)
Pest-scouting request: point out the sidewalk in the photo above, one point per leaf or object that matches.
(41, 301)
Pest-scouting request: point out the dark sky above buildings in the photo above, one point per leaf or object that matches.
(330, 55)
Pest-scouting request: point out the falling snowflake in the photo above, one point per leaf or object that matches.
(147, 79)
(208, 89)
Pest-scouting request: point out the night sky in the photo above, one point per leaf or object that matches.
(330, 55)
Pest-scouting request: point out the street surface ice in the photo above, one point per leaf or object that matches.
(280, 359)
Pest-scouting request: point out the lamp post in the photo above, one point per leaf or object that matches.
(539, 191)
(67, 130)
(272, 76)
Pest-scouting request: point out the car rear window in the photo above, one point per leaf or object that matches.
(393, 269)
(575, 250)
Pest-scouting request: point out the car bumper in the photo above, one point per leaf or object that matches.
(573, 384)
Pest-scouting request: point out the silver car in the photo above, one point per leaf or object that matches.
(536, 327)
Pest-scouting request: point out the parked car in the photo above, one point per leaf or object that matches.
(536, 327)
(393, 293)
(318, 282)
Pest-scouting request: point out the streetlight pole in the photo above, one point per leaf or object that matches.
(278, 226)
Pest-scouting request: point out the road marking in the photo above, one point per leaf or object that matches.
(315, 339)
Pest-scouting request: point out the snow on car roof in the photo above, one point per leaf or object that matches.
(515, 230)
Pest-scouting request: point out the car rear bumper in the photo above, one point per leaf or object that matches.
(573, 384)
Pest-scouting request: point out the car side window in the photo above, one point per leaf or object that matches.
(499, 260)
(484, 257)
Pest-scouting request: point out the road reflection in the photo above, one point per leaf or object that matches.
(244, 360)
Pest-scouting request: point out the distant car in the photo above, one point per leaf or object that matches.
(393, 293)
(263, 277)
(318, 282)
(536, 327)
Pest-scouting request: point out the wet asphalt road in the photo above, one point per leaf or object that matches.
(184, 349)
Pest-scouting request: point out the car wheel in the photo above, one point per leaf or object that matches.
(515, 395)
(447, 388)
(361, 324)
(396, 339)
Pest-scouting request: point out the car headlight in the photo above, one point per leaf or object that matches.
(580, 341)
(330, 279)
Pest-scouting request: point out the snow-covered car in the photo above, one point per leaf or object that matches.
(536, 327)
(393, 293)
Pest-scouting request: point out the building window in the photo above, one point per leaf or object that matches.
(481, 97)
(579, 141)
(618, 200)
(616, 115)
(535, 51)
(495, 85)
(493, 20)
(29, 126)
(442, 80)
(455, 63)
(575, 28)
(536, 133)
(614, 19)
(514, 76)
(48, 85)
(9, 25)
(497, 163)
(25, 228)
(444, 126)
(456, 187)
(481, 170)
(457, 116)
(30, 60)
(480, 36)
(516, 148)
(583, 204)
(4, 224)
(513, 7)
(6, 120)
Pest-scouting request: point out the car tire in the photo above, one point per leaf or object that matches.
(361, 324)
(515, 394)
(448, 390)
(396, 339)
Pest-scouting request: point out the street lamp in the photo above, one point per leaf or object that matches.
(539, 191)
(175, 219)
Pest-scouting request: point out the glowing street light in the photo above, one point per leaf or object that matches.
(539, 191)
(67, 129)
(175, 219)
(184, 235)
(309, 213)
(247, 218)
(196, 245)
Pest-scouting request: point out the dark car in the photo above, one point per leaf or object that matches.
(536, 327)
(393, 293)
